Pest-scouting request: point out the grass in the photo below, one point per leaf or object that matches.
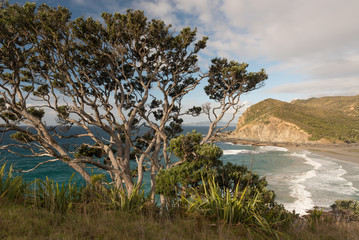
(93, 222)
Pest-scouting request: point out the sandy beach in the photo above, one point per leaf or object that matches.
(345, 153)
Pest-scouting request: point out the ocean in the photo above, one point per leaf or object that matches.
(300, 179)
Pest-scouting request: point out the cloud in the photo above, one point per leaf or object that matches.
(321, 87)
(309, 41)
(159, 9)
(317, 40)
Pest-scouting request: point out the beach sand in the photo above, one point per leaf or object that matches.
(345, 153)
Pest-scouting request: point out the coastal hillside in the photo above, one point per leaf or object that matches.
(315, 120)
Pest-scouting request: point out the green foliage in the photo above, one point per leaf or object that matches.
(62, 115)
(38, 113)
(230, 175)
(314, 217)
(55, 197)
(63, 111)
(195, 111)
(2, 103)
(238, 207)
(221, 204)
(197, 161)
(28, 88)
(349, 209)
(9, 116)
(21, 137)
(230, 78)
(119, 199)
(103, 193)
(42, 90)
(86, 151)
(12, 188)
(351, 205)
(58, 84)
(97, 178)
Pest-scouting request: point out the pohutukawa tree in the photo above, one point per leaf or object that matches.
(125, 75)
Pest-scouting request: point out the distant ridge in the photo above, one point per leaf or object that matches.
(315, 120)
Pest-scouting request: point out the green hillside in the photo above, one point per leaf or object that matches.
(347, 105)
(332, 118)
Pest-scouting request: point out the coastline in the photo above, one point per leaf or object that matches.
(344, 152)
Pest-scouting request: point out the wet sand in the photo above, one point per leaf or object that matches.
(344, 152)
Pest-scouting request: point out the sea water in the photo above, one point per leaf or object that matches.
(299, 178)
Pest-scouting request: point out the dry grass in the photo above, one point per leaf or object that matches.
(92, 222)
(328, 230)
(19, 222)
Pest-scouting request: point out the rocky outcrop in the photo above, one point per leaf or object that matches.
(270, 129)
(326, 120)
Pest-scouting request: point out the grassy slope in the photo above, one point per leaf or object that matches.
(333, 118)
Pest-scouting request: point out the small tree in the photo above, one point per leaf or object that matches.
(202, 161)
(125, 76)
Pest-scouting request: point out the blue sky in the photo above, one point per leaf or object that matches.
(308, 48)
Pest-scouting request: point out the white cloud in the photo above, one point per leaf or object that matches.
(316, 41)
(161, 9)
(321, 87)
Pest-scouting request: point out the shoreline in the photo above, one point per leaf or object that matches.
(343, 152)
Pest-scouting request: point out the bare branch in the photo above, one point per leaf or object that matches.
(38, 165)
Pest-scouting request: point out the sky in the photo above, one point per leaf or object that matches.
(309, 48)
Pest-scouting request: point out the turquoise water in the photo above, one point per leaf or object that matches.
(300, 179)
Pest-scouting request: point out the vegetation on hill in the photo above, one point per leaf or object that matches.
(331, 118)
(349, 105)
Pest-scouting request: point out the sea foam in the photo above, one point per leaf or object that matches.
(325, 178)
(239, 151)
(263, 149)
(259, 150)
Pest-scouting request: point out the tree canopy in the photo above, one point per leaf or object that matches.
(125, 75)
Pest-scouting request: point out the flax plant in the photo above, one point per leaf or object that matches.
(222, 205)
(12, 187)
(119, 199)
(103, 192)
(236, 208)
(55, 197)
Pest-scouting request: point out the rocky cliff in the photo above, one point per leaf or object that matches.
(316, 120)
(271, 130)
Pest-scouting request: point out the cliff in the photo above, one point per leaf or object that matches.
(316, 120)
